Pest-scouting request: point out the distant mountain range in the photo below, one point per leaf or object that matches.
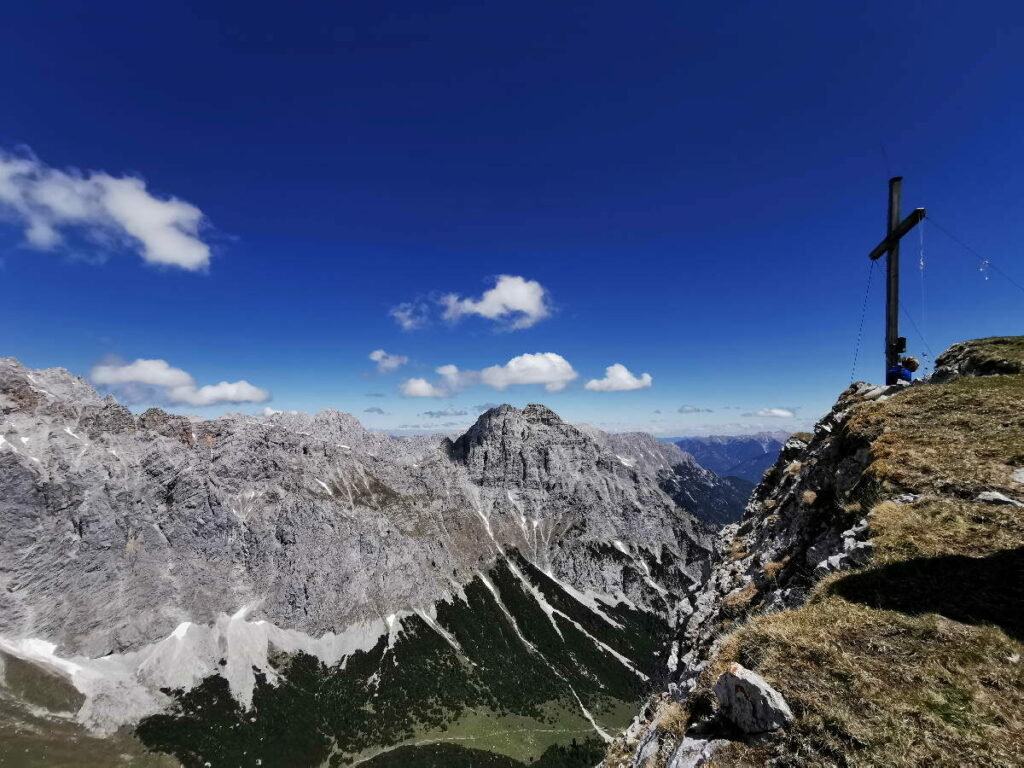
(742, 456)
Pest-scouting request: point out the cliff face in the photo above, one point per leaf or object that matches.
(874, 582)
(318, 590)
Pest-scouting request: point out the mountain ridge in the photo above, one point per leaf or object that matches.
(163, 565)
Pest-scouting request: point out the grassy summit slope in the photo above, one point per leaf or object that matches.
(917, 658)
(913, 657)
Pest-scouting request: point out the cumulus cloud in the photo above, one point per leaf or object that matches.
(618, 378)
(518, 302)
(48, 202)
(441, 414)
(387, 363)
(156, 373)
(774, 413)
(410, 315)
(375, 409)
(693, 409)
(547, 368)
(268, 411)
(451, 381)
(178, 385)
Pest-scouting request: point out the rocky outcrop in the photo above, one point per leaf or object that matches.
(981, 357)
(803, 521)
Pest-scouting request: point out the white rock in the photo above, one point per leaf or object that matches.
(749, 702)
(693, 753)
(994, 497)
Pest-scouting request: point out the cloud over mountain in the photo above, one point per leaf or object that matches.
(48, 202)
(547, 368)
(618, 378)
(178, 386)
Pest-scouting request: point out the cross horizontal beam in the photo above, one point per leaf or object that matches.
(915, 217)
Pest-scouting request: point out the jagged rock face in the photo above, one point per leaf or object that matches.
(715, 500)
(768, 562)
(197, 551)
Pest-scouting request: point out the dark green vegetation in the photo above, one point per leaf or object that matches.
(575, 755)
(510, 689)
(914, 659)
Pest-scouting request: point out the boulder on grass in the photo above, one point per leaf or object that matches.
(749, 703)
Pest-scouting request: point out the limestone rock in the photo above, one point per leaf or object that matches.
(693, 753)
(748, 702)
(994, 497)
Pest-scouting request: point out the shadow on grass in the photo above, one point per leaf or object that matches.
(974, 590)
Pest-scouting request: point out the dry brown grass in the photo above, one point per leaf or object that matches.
(880, 688)
(773, 568)
(737, 549)
(956, 438)
(736, 603)
(808, 498)
(673, 717)
(932, 527)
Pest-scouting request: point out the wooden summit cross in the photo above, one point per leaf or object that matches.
(895, 229)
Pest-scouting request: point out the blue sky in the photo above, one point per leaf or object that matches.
(686, 190)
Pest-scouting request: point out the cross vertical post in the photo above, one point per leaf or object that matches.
(895, 229)
(893, 348)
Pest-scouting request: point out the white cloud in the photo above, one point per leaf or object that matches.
(156, 373)
(618, 378)
(694, 409)
(387, 363)
(268, 411)
(518, 301)
(774, 413)
(225, 392)
(452, 380)
(547, 368)
(375, 409)
(422, 388)
(47, 201)
(179, 386)
(410, 315)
